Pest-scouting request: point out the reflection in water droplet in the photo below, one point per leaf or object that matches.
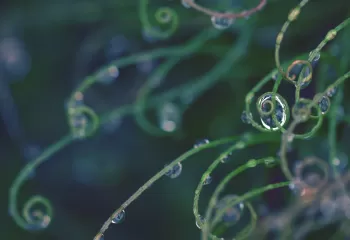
(233, 214)
(221, 23)
(200, 143)
(119, 218)
(175, 171)
(208, 180)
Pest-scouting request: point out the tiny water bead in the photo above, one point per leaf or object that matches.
(208, 180)
(233, 214)
(175, 171)
(246, 118)
(275, 76)
(316, 57)
(108, 75)
(185, 4)
(324, 104)
(169, 117)
(200, 143)
(226, 158)
(221, 23)
(331, 92)
(79, 125)
(267, 110)
(200, 222)
(119, 218)
(340, 162)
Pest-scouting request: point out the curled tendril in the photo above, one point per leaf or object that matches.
(83, 121)
(214, 199)
(242, 14)
(273, 110)
(246, 141)
(37, 218)
(248, 230)
(164, 16)
(33, 218)
(155, 79)
(271, 105)
(302, 81)
(312, 182)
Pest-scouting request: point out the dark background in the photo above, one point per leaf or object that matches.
(61, 42)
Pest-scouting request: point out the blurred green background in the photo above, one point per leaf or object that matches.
(61, 42)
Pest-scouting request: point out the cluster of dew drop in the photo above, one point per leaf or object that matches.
(311, 179)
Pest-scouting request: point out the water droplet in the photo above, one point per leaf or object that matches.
(77, 101)
(185, 4)
(200, 143)
(226, 158)
(200, 222)
(340, 162)
(331, 92)
(79, 124)
(233, 214)
(169, 117)
(324, 104)
(246, 118)
(175, 171)
(221, 22)
(119, 218)
(275, 76)
(208, 180)
(108, 75)
(265, 105)
(316, 57)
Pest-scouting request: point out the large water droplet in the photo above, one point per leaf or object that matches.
(233, 214)
(221, 23)
(266, 106)
(175, 171)
(119, 218)
(324, 104)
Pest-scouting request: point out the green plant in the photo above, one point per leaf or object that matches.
(272, 109)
